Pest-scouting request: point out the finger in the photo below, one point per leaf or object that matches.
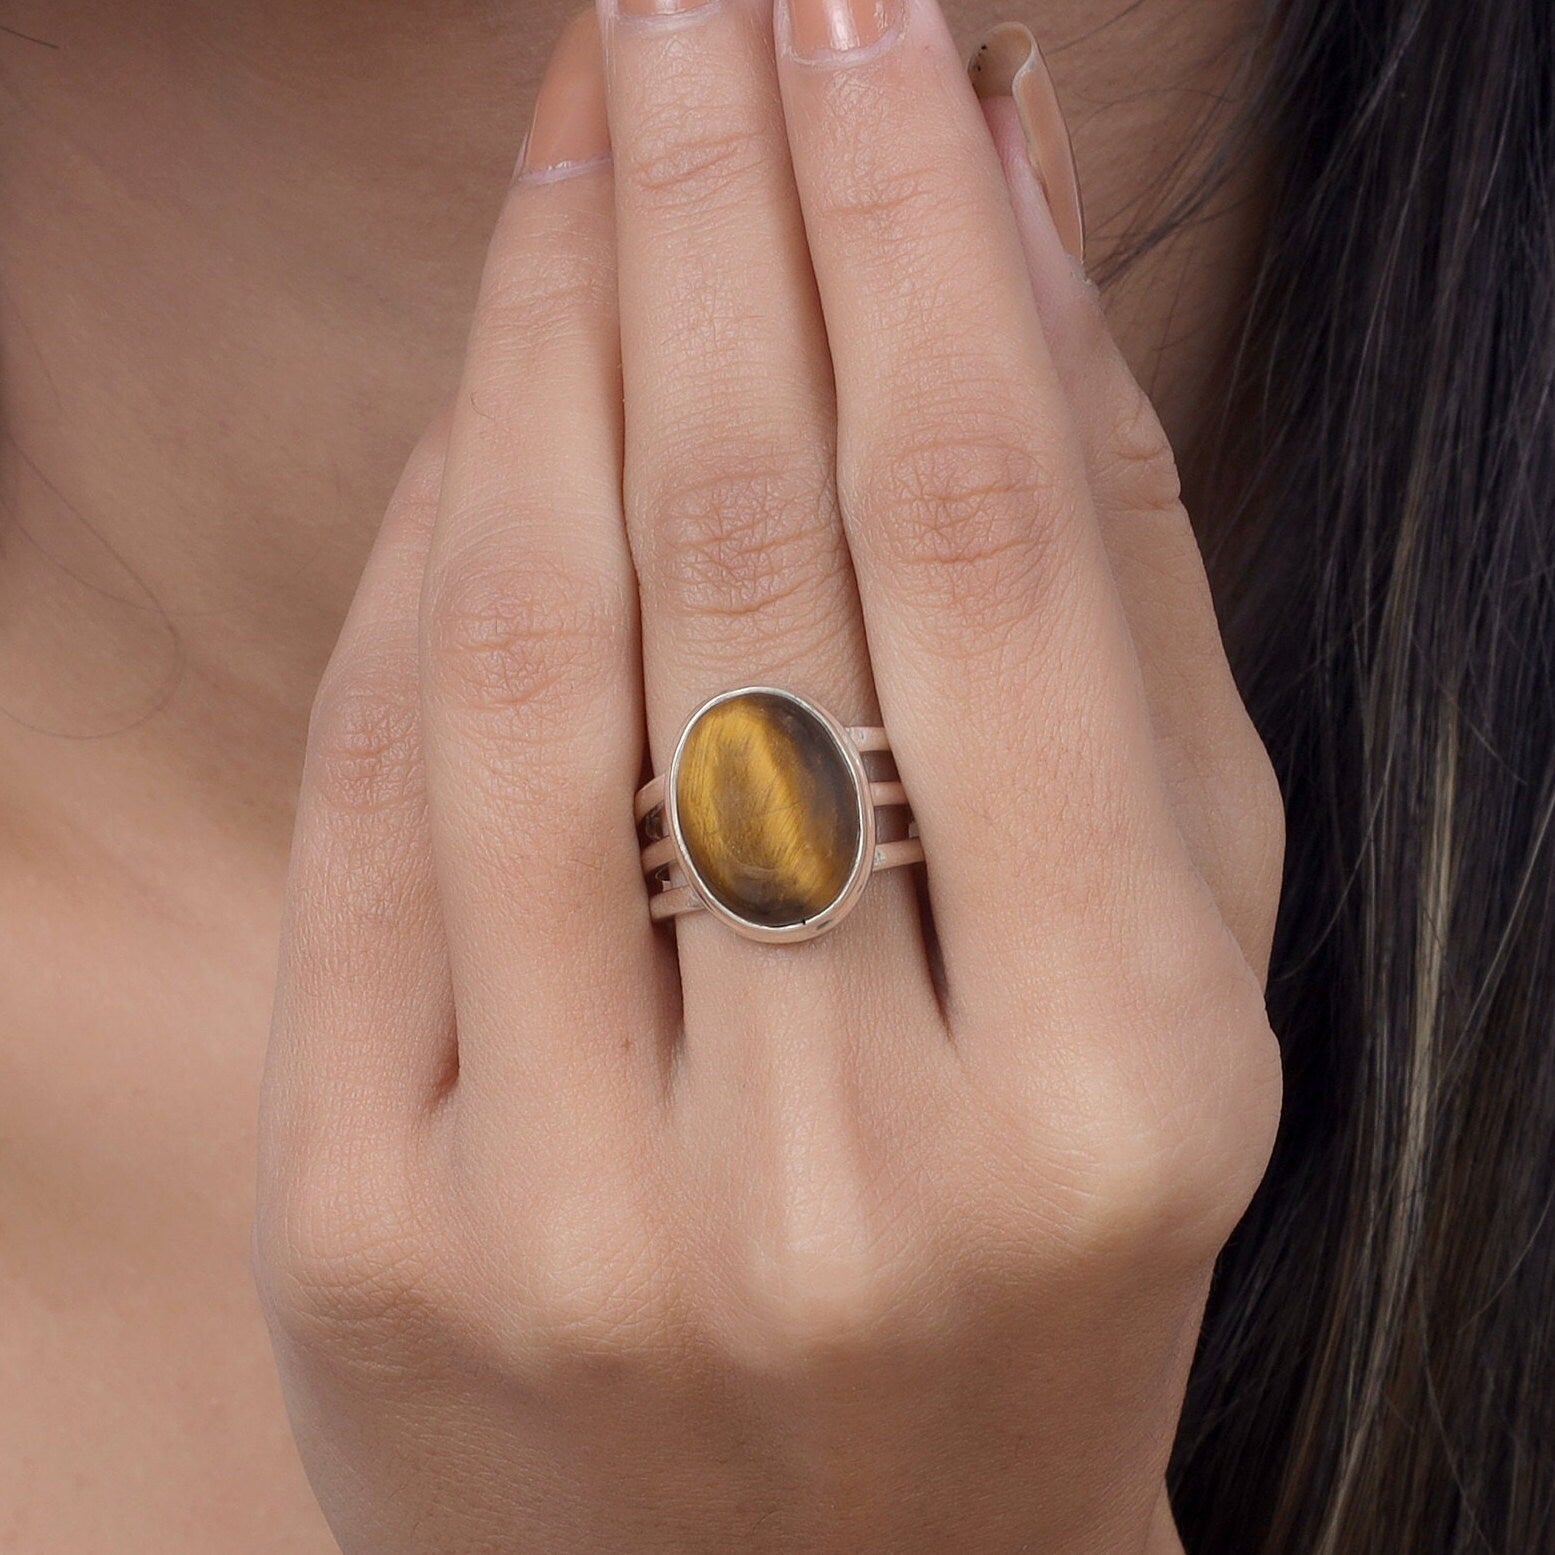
(1215, 767)
(741, 558)
(531, 692)
(1001, 652)
(363, 1024)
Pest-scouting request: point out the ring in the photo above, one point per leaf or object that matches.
(768, 817)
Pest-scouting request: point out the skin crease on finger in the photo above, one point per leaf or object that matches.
(236, 287)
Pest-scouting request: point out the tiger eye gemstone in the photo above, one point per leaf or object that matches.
(768, 808)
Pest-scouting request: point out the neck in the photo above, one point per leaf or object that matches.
(239, 252)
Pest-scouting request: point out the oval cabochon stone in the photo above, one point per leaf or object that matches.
(768, 808)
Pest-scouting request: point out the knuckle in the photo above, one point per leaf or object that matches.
(812, 1306)
(598, 1312)
(1143, 469)
(1124, 1210)
(962, 521)
(340, 1259)
(1177, 1128)
(592, 1296)
(692, 162)
(1217, 1149)
(1244, 816)
(884, 203)
(838, 1254)
(1262, 805)
(546, 285)
(526, 640)
(363, 808)
(748, 540)
(1250, 820)
(364, 741)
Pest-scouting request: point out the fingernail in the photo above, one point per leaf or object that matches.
(570, 131)
(1008, 63)
(646, 8)
(830, 29)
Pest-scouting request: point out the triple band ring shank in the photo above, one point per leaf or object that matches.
(768, 817)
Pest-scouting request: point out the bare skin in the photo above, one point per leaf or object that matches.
(234, 291)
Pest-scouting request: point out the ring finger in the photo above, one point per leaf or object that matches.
(1004, 659)
(743, 568)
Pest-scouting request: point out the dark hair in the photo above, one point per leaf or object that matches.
(1377, 1369)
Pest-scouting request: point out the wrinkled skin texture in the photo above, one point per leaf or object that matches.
(575, 1234)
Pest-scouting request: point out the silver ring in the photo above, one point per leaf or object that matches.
(768, 817)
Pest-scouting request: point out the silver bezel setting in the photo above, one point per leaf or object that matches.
(858, 875)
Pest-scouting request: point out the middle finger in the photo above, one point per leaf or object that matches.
(742, 564)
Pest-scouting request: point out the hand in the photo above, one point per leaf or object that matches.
(579, 1234)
